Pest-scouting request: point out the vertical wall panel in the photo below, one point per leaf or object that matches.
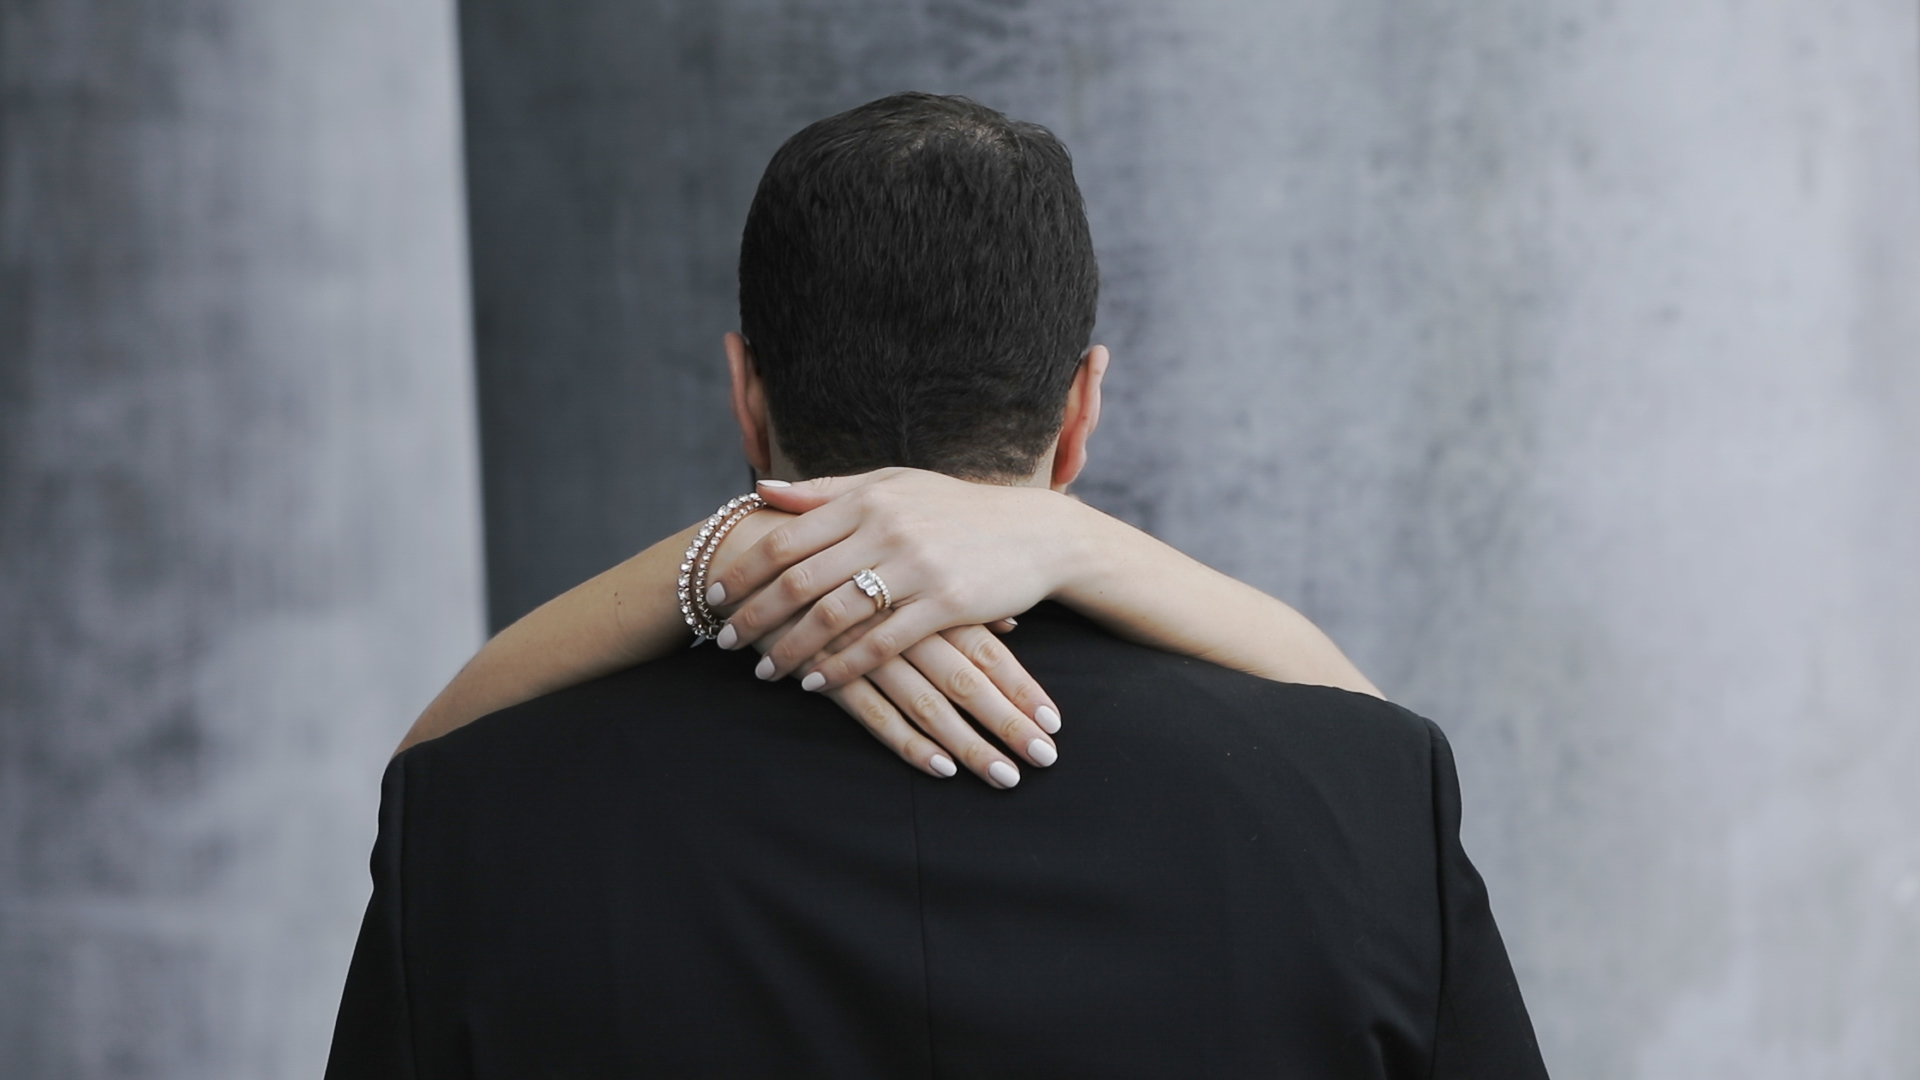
(1564, 360)
(238, 509)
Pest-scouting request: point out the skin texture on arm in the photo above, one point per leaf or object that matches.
(1145, 590)
(622, 617)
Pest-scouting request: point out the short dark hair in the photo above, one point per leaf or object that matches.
(918, 284)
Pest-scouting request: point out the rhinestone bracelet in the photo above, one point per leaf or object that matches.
(693, 565)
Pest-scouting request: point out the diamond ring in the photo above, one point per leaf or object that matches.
(869, 582)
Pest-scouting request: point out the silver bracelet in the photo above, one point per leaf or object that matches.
(693, 565)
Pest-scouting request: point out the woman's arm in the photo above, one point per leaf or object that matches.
(617, 619)
(955, 552)
(630, 614)
(1141, 588)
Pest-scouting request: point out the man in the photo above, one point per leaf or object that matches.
(681, 870)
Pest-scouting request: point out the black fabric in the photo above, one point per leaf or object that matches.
(680, 870)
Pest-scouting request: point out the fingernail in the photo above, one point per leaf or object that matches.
(1003, 774)
(764, 669)
(1048, 720)
(1042, 752)
(728, 637)
(716, 594)
(813, 681)
(1012, 623)
(943, 765)
(774, 483)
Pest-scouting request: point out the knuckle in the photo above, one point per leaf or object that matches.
(986, 652)
(796, 584)
(778, 545)
(978, 755)
(1010, 728)
(882, 641)
(746, 620)
(927, 705)
(876, 715)
(835, 612)
(964, 683)
(783, 654)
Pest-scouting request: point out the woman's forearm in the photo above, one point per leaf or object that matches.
(614, 620)
(1148, 591)
(622, 617)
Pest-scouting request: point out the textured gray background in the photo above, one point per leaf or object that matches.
(1563, 360)
(239, 522)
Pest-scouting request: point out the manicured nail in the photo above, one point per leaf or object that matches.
(728, 637)
(943, 765)
(1048, 720)
(716, 594)
(1003, 774)
(1042, 752)
(1011, 623)
(774, 483)
(813, 681)
(764, 669)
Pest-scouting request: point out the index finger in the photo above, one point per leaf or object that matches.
(997, 662)
(788, 543)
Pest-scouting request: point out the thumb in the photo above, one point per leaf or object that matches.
(801, 496)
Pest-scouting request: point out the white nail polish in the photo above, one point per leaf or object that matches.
(1042, 752)
(728, 637)
(813, 681)
(764, 669)
(943, 765)
(1003, 774)
(716, 594)
(775, 483)
(1048, 720)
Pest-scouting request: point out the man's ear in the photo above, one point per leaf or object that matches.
(749, 404)
(1082, 416)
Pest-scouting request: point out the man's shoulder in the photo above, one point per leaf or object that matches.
(702, 712)
(696, 721)
(1061, 647)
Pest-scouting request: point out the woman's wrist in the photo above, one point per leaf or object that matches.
(1083, 550)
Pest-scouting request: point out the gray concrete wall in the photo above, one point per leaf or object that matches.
(238, 509)
(1564, 360)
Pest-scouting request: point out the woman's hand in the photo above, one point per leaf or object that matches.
(912, 702)
(926, 683)
(951, 553)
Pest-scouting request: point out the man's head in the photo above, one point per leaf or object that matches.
(917, 287)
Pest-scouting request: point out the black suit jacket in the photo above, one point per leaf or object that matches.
(680, 870)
